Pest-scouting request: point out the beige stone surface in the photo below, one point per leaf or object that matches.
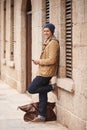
(66, 84)
(73, 121)
(78, 11)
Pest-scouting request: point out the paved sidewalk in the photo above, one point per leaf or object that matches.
(12, 119)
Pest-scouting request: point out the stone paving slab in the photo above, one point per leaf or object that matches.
(12, 119)
(16, 124)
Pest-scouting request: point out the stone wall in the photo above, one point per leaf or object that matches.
(37, 13)
(13, 72)
(0, 38)
(72, 107)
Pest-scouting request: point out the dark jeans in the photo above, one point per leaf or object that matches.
(41, 85)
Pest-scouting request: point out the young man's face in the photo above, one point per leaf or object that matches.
(47, 33)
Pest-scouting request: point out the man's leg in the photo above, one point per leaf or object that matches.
(39, 85)
(43, 104)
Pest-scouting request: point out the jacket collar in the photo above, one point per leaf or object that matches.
(49, 39)
(46, 42)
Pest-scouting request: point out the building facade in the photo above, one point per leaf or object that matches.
(21, 38)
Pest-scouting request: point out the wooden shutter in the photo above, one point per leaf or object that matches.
(4, 29)
(28, 43)
(47, 11)
(12, 31)
(69, 38)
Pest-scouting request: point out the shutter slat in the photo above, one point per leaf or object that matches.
(47, 11)
(68, 38)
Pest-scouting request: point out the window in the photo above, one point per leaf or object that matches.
(69, 38)
(4, 46)
(47, 11)
(12, 32)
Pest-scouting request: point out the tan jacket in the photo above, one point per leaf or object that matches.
(49, 58)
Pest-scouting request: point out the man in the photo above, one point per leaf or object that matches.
(47, 68)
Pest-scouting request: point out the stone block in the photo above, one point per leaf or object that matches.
(83, 34)
(65, 99)
(78, 11)
(37, 17)
(66, 84)
(54, 18)
(76, 34)
(85, 13)
(80, 57)
(61, 29)
(80, 106)
(62, 72)
(55, 2)
(36, 46)
(62, 54)
(70, 120)
(75, 57)
(80, 80)
(36, 5)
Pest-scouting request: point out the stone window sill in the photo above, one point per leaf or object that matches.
(66, 84)
(12, 64)
(4, 61)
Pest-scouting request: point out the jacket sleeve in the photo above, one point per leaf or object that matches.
(52, 54)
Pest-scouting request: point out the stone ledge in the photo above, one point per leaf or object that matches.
(4, 61)
(12, 64)
(66, 84)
